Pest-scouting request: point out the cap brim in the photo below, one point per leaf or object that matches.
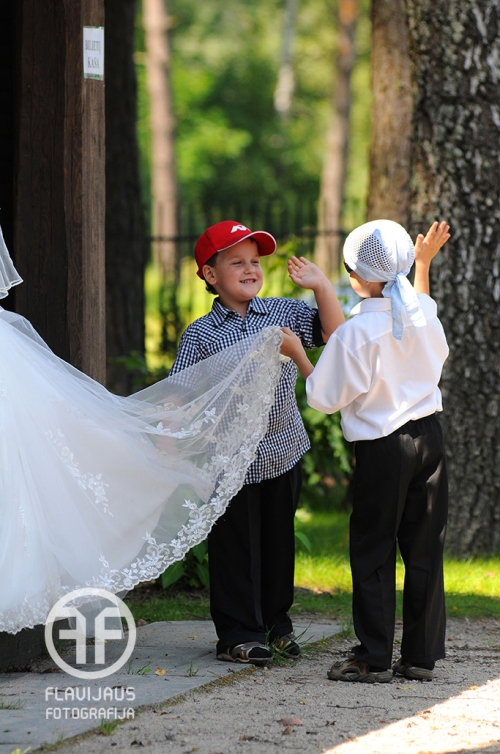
(265, 241)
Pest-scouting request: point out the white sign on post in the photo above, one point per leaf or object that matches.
(93, 52)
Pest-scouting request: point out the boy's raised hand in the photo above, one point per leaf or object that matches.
(305, 273)
(426, 247)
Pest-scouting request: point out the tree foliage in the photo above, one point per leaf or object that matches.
(232, 147)
(234, 150)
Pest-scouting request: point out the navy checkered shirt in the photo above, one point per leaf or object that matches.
(286, 439)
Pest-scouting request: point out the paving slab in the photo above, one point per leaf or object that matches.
(47, 705)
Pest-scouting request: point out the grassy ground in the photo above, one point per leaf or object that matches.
(323, 581)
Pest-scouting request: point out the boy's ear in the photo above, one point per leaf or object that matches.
(209, 274)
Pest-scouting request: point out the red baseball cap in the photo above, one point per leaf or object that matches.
(225, 234)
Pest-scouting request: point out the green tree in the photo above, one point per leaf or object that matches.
(230, 140)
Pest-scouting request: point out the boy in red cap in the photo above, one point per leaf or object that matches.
(251, 548)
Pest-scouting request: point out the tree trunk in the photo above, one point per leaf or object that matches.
(59, 188)
(454, 50)
(126, 248)
(285, 84)
(326, 251)
(389, 193)
(162, 124)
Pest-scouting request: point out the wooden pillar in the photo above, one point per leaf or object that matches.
(59, 188)
(6, 119)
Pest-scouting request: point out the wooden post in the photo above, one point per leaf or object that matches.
(392, 113)
(59, 205)
(6, 119)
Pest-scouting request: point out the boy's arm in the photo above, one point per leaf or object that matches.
(293, 348)
(307, 275)
(187, 352)
(426, 249)
(338, 378)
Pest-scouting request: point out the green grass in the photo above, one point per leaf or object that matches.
(108, 727)
(473, 587)
(323, 581)
(54, 745)
(11, 705)
(192, 671)
(144, 670)
(153, 604)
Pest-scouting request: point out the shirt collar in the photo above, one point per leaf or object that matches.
(219, 312)
(372, 305)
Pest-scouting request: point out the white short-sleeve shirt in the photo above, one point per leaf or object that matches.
(377, 382)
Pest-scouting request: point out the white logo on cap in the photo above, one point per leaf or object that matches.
(238, 227)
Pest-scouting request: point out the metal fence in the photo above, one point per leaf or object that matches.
(283, 219)
(292, 223)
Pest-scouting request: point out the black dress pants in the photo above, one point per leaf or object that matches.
(251, 554)
(400, 495)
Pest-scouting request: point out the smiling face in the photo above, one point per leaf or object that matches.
(237, 275)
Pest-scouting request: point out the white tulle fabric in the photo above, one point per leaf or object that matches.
(9, 276)
(99, 490)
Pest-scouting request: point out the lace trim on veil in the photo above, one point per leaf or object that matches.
(233, 443)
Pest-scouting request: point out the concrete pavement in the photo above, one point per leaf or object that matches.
(47, 705)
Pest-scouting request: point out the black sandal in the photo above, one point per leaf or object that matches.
(287, 646)
(252, 652)
(413, 672)
(357, 671)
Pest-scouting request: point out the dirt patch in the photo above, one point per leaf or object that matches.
(294, 708)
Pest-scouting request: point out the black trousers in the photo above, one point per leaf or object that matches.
(400, 495)
(251, 553)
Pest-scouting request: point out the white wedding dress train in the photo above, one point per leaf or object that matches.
(103, 491)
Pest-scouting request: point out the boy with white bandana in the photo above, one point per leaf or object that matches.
(381, 370)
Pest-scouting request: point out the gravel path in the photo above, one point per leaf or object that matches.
(294, 708)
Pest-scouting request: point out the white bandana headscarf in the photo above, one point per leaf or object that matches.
(9, 276)
(382, 251)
